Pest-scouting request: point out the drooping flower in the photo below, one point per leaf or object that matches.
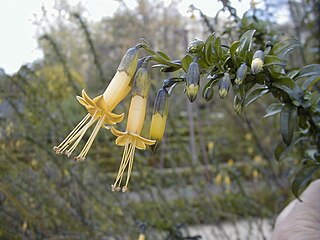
(159, 117)
(131, 138)
(100, 108)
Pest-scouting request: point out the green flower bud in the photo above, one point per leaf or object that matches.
(224, 85)
(257, 62)
(159, 117)
(195, 46)
(208, 94)
(241, 73)
(129, 62)
(141, 82)
(192, 80)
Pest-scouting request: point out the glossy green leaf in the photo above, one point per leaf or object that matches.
(163, 55)
(310, 82)
(208, 49)
(309, 70)
(303, 177)
(282, 149)
(254, 95)
(288, 85)
(281, 49)
(293, 73)
(246, 41)
(279, 151)
(273, 60)
(233, 48)
(288, 120)
(273, 109)
(217, 47)
(185, 62)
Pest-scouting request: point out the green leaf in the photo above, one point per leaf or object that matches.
(217, 47)
(302, 178)
(315, 101)
(310, 82)
(288, 120)
(288, 85)
(279, 151)
(163, 55)
(208, 49)
(273, 60)
(185, 62)
(233, 48)
(273, 109)
(246, 41)
(285, 81)
(309, 70)
(293, 73)
(254, 95)
(281, 49)
(282, 149)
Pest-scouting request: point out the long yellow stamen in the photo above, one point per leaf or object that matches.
(131, 157)
(66, 142)
(126, 161)
(77, 138)
(88, 144)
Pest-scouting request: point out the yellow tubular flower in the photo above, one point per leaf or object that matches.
(142, 236)
(100, 108)
(159, 117)
(131, 138)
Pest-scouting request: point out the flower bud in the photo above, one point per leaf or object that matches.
(208, 94)
(195, 46)
(241, 73)
(192, 80)
(224, 85)
(159, 117)
(257, 62)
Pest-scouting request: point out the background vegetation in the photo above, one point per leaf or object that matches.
(213, 167)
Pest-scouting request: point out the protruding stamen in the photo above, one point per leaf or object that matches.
(126, 161)
(78, 136)
(130, 166)
(93, 135)
(58, 148)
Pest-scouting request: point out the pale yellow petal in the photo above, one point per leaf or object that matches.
(116, 118)
(87, 98)
(121, 140)
(117, 132)
(140, 144)
(82, 101)
(146, 140)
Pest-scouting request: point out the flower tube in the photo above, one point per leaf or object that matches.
(159, 117)
(131, 138)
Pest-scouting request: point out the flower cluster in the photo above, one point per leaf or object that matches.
(131, 76)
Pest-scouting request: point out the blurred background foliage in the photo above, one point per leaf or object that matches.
(213, 170)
